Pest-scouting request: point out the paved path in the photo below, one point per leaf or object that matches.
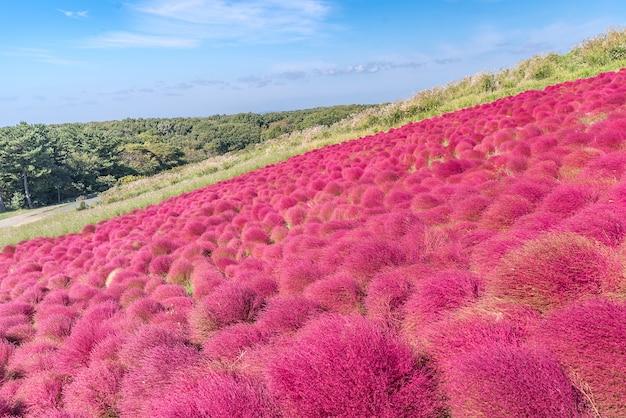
(41, 213)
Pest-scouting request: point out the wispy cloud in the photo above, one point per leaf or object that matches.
(82, 14)
(368, 68)
(186, 24)
(295, 75)
(8, 98)
(134, 40)
(40, 55)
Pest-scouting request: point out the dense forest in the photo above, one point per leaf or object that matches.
(44, 164)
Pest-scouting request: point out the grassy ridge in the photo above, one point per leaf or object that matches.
(605, 52)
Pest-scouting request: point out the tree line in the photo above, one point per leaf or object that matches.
(44, 164)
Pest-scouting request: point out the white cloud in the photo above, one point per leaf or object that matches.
(40, 55)
(184, 24)
(138, 40)
(82, 14)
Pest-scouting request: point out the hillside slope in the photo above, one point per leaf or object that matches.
(471, 264)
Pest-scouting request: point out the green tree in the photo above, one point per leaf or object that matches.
(26, 156)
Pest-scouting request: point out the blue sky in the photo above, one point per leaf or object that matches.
(93, 60)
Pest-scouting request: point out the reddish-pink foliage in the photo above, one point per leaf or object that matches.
(507, 380)
(229, 303)
(505, 210)
(339, 293)
(295, 275)
(346, 366)
(94, 391)
(554, 269)
(605, 223)
(40, 393)
(216, 394)
(372, 197)
(363, 258)
(160, 265)
(148, 379)
(295, 215)
(231, 343)
(143, 309)
(524, 193)
(386, 292)
(589, 338)
(441, 292)
(610, 166)
(286, 314)
(567, 199)
(94, 326)
(609, 134)
(180, 271)
(487, 253)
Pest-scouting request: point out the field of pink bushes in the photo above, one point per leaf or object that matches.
(469, 265)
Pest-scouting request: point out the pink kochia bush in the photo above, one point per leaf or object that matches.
(556, 268)
(471, 264)
(501, 379)
(346, 366)
(589, 338)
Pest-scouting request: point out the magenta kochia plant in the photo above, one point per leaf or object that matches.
(216, 394)
(554, 269)
(509, 380)
(589, 339)
(346, 366)
(228, 304)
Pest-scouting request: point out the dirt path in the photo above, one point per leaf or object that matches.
(41, 213)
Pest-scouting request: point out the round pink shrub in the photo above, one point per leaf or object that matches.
(295, 275)
(216, 394)
(456, 335)
(610, 166)
(605, 223)
(56, 325)
(143, 309)
(94, 326)
(386, 292)
(372, 197)
(441, 292)
(505, 380)
(255, 235)
(284, 314)
(589, 339)
(160, 265)
(146, 337)
(231, 343)
(166, 291)
(339, 293)
(150, 377)
(555, 268)
(486, 254)
(162, 246)
(345, 366)
(609, 133)
(295, 216)
(94, 391)
(505, 210)
(204, 278)
(180, 271)
(40, 393)
(364, 258)
(567, 199)
(398, 198)
(470, 208)
(229, 303)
